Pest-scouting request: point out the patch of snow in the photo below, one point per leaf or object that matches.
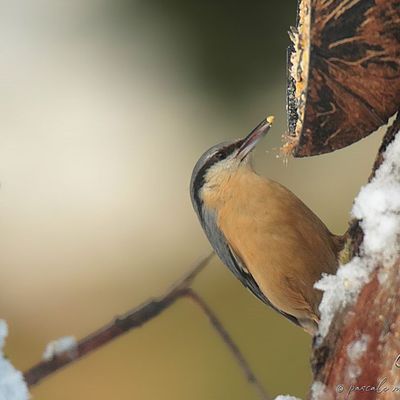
(12, 384)
(341, 289)
(355, 350)
(56, 347)
(377, 207)
(318, 391)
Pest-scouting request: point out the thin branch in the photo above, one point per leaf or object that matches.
(134, 319)
(226, 338)
(121, 324)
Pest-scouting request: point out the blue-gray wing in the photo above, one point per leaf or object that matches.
(233, 262)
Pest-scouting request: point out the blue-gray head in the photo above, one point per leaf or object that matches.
(221, 160)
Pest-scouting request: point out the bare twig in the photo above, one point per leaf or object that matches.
(135, 318)
(217, 325)
(132, 319)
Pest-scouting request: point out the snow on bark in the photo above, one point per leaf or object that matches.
(12, 384)
(357, 355)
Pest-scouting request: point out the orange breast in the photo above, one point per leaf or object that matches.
(282, 242)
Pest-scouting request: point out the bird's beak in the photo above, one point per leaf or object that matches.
(251, 140)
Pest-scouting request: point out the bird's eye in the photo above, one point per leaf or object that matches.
(221, 155)
(217, 156)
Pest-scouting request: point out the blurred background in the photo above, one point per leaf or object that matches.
(105, 108)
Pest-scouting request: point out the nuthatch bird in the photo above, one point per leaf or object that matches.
(271, 241)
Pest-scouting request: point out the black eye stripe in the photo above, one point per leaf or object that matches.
(224, 152)
(198, 179)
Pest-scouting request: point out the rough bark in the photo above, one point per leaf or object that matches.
(344, 84)
(375, 314)
(344, 81)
